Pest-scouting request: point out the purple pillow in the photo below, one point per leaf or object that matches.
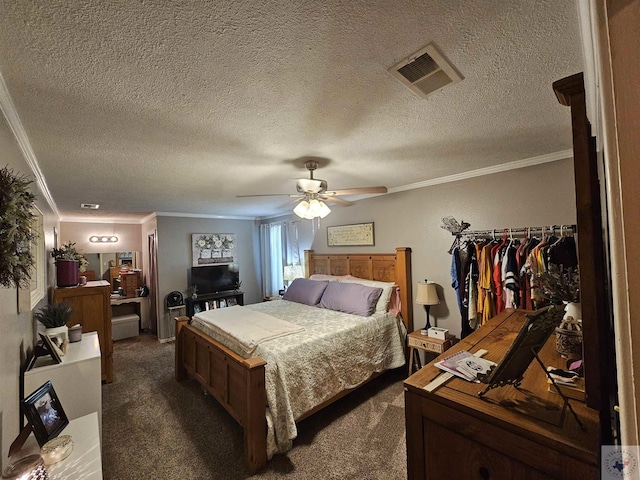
(350, 298)
(305, 291)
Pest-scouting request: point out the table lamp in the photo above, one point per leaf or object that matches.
(291, 272)
(427, 295)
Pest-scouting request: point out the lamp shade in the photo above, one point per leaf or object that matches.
(427, 293)
(311, 209)
(301, 209)
(291, 272)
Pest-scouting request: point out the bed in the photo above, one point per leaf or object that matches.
(238, 379)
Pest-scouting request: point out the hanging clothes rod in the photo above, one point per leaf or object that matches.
(496, 232)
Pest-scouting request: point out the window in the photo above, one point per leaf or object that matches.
(278, 247)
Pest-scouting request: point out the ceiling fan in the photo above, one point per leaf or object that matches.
(312, 193)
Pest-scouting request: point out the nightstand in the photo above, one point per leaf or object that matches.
(269, 299)
(417, 341)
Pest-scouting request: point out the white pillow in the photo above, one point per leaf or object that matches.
(387, 290)
(326, 278)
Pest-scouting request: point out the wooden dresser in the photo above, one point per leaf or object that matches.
(509, 433)
(92, 309)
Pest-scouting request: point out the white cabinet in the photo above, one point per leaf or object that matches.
(85, 461)
(77, 380)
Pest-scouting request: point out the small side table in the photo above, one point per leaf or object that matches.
(269, 299)
(417, 341)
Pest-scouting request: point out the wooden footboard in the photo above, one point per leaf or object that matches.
(236, 383)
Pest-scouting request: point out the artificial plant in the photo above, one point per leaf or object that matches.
(52, 316)
(16, 234)
(68, 252)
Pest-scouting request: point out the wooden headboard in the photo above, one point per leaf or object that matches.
(384, 267)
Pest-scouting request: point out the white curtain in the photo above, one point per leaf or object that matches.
(278, 247)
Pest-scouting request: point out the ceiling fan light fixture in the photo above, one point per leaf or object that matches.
(311, 209)
(301, 209)
(314, 208)
(324, 210)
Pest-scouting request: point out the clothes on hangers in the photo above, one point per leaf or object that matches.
(490, 275)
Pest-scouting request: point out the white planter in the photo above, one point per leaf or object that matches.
(569, 333)
(59, 332)
(574, 310)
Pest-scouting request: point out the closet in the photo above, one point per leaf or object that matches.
(493, 271)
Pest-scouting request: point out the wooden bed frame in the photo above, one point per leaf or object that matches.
(238, 384)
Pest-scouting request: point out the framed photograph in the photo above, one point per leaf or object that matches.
(359, 234)
(196, 308)
(51, 348)
(45, 414)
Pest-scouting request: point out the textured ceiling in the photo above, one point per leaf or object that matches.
(165, 106)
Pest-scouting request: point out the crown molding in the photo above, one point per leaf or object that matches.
(199, 215)
(13, 120)
(504, 167)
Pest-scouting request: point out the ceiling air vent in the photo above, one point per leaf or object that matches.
(425, 71)
(90, 206)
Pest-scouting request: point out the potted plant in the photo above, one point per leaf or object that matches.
(68, 263)
(16, 234)
(54, 319)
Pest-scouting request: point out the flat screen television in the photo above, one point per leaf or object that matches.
(214, 278)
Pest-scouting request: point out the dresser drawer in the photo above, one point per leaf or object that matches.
(427, 343)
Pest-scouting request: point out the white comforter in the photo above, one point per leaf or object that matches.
(335, 351)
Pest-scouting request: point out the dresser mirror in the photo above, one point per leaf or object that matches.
(107, 265)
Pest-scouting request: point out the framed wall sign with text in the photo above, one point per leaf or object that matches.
(359, 234)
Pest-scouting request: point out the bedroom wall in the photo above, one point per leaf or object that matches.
(129, 236)
(533, 196)
(17, 328)
(174, 253)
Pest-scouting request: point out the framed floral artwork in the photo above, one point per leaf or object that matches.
(213, 249)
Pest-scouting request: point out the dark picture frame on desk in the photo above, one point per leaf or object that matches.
(45, 413)
(43, 349)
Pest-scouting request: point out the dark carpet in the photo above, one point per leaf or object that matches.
(157, 428)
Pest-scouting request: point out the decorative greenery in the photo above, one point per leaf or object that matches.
(16, 235)
(52, 316)
(68, 252)
(559, 285)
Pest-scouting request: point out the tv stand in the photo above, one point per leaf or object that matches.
(201, 301)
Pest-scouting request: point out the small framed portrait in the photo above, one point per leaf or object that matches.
(51, 348)
(45, 414)
(196, 308)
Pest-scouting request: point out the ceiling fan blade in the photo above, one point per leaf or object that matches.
(336, 200)
(357, 191)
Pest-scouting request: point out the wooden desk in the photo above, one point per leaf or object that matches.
(137, 305)
(507, 434)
